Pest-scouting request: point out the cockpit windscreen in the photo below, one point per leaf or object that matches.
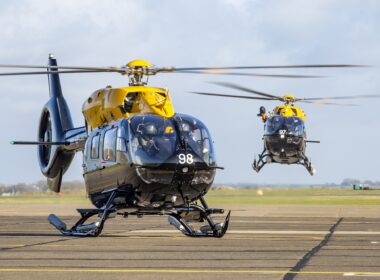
(155, 140)
(290, 125)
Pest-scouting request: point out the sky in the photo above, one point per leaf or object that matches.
(203, 33)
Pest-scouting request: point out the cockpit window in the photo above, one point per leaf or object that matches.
(155, 140)
(291, 125)
(294, 125)
(274, 124)
(196, 137)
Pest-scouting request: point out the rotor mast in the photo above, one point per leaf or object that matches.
(136, 69)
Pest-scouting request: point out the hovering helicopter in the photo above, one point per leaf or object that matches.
(139, 156)
(285, 134)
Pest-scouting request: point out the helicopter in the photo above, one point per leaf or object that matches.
(285, 136)
(140, 157)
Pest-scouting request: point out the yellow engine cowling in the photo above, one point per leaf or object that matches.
(107, 105)
(289, 111)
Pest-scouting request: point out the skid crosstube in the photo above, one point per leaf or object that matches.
(179, 217)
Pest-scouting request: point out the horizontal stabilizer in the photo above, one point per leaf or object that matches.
(38, 143)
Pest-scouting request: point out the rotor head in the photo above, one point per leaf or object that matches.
(288, 98)
(137, 69)
(139, 63)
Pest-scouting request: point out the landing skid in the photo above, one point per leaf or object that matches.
(308, 166)
(81, 229)
(265, 158)
(179, 217)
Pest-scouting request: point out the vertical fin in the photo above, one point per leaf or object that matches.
(55, 92)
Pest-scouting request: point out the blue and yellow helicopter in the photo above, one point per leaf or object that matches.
(285, 134)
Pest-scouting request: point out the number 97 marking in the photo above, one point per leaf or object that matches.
(185, 158)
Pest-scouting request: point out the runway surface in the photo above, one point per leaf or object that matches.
(148, 248)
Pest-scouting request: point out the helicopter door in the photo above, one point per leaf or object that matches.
(108, 167)
(91, 162)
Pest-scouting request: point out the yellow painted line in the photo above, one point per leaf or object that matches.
(185, 271)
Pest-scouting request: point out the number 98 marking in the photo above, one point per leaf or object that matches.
(185, 158)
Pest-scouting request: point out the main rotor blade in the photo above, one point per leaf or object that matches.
(326, 103)
(237, 87)
(227, 95)
(342, 97)
(63, 67)
(263, 98)
(270, 67)
(52, 72)
(174, 69)
(247, 74)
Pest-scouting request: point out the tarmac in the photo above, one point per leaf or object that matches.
(263, 242)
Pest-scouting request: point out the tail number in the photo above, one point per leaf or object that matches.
(185, 158)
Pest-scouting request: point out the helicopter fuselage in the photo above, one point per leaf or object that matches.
(284, 139)
(158, 162)
(285, 148)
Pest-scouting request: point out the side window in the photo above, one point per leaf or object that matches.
(109, 145)
(95, 146)
(87, 148)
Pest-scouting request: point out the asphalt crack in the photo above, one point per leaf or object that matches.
(292, 273)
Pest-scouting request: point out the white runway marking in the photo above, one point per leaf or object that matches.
(369, 274)
(278, 232)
